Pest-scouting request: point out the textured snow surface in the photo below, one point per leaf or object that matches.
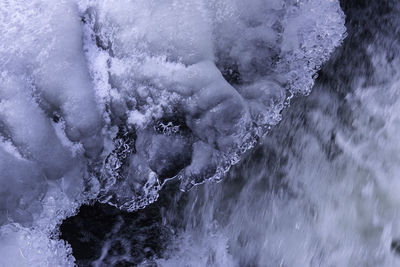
(109, 99)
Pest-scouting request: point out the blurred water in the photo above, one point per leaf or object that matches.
(323, 188)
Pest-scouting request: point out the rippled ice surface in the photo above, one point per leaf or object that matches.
(114, 101)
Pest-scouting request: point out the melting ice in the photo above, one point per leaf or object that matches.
(108, 101)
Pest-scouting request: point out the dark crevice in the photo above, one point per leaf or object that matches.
(126, 238)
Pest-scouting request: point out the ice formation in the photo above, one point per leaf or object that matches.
(108, 100)
(197, 83)
(323, 190)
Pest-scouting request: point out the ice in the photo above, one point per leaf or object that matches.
(225, 74)
(109, 100)
(42, 43)
(20, 247)
(47, 109)
(30, 129)
(22, 185)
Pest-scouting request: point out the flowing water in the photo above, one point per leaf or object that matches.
(321, 188)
